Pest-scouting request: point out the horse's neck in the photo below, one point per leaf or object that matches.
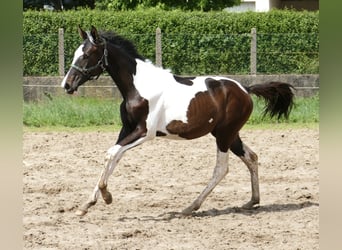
(135, 76)
(122, 74)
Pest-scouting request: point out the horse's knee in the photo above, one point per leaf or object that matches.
(112, 153)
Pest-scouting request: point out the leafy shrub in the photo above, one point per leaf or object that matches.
(192, 42)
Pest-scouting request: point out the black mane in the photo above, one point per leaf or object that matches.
(121, 42)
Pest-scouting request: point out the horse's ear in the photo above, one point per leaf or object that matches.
(95, 34)
(82, 33)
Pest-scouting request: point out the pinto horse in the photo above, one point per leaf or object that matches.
(159, 103)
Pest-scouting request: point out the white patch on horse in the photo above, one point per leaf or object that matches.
(218, 78)
(238, 84)
(168, 100)
(78, 53)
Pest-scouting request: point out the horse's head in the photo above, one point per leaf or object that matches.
(89, 62)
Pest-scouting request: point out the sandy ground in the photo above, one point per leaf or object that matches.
(158, 179)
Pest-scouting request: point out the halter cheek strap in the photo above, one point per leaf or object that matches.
(87, 71)
(100, 64)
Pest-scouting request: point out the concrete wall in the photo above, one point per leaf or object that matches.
(38, 88)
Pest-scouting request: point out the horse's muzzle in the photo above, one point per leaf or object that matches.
(69, 89)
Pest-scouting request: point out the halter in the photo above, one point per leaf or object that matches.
(100, 64)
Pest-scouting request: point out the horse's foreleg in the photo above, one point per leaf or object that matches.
(112, 157)
(220, 171)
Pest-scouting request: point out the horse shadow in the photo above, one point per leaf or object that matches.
(271, 208)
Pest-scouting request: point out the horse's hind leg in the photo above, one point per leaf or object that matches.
(220, 171)
(251, 160)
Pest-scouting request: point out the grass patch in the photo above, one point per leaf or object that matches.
(304, 111)
(69, 113)
(72, 112)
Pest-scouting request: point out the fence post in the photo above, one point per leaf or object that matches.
(253, 66)
(61, 51)
(158, 48)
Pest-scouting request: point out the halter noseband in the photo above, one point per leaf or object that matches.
(100, 64)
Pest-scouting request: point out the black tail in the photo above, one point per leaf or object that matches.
(277, 95)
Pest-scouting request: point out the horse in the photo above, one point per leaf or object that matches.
(158, 103)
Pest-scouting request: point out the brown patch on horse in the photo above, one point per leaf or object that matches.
(205, 110)
(133, 115)
(184, 80)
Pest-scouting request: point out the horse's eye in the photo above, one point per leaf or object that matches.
(85, 56)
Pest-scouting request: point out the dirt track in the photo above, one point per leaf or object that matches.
(160, 178)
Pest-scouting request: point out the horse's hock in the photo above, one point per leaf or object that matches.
(37, 88)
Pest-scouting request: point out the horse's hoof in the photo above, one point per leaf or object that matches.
(108, 198)
(251, 205)
(80, 212)
(187, 211)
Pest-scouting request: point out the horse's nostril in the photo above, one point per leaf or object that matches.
(67, 86)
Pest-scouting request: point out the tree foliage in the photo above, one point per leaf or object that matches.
(203, 5)
(118, 5)
(58, 4)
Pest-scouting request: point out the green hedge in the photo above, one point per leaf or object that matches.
(193, 42)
